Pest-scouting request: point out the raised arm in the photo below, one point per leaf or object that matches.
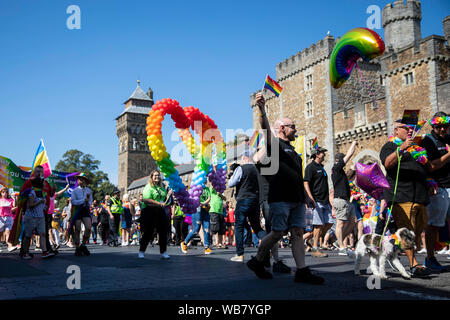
(350, 151)
(263, 121)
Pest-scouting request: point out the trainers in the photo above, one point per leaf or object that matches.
(26, 256)
(422, 251)
(316, 253)
(85, 250)
(304, 275)
(266, 261)
(343, 252)
(78, 252)
(141, 255)
(184, 247)
(11, 249)
(434, 265)
(258, 268)
(336, 245)
(280, 267)
(47, 254)
(238, 258)
(443, 251)
(208, 251)
(419, 271)
(164, 255)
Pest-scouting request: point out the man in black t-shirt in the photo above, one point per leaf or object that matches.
(286, 198)
(344, 210)
(437, 146)
(316, 186)
(411, 197)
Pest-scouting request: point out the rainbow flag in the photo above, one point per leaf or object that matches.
(315, 143)
(41, 159)
(255, 139)
(273, 86)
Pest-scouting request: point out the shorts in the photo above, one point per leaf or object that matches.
(31, 224)
(230, 224)
(217, 223)
(412, 216)
(344, 209)
(321, 214)
(6, 223)
(439, 208)
(286, 215)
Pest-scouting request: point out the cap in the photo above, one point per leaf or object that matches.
(316, 151)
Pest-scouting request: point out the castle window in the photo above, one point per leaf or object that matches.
(309, 82)
(345, 113)
(382, 82)
(408, 78)
(309, 109)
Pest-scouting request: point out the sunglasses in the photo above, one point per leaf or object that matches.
(441, 126)
(292, 126)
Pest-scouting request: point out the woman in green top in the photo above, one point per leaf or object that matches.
(155, 199)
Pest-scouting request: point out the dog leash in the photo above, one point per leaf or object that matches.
(399, 157)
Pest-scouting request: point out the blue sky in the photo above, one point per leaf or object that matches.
(68, 86)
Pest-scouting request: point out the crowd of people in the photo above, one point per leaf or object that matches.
(271, 210)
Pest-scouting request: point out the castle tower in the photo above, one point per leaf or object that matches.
(135, 160)
(401, 23)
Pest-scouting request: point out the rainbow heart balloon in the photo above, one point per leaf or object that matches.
(357, 43)
(210, 136)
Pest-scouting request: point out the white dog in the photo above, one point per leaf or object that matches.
(370, 243)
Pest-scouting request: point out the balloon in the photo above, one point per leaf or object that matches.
(371, 179)
(185, 118)
(357, 43)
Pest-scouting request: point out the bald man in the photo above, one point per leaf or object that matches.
(286, 198)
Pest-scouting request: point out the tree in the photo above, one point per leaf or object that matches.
(76, 161)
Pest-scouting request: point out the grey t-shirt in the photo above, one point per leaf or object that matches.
(37, 211)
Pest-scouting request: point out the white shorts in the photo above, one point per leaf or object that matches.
(6, 223)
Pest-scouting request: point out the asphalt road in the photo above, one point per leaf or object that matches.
(117, 274)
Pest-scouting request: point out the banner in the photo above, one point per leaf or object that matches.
(299, 146)
(13, 177)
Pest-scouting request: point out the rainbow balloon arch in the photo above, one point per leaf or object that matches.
(210, 162)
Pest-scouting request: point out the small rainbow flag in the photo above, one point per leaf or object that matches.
(315, 143)
(273, 86)
(41, 159)
(255, 139)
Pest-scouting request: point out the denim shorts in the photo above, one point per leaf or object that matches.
(321, 214)
(286, 215)
(439, 208)
(32, 223)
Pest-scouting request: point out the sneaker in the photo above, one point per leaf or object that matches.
(37, 249)
(280, 267)
(316, 253)
(208, 251)
(141, 255)
(47, 254)
(443, 251)
(238, 258)
(304, 275)
(26, 256)
(258, 268)
(184, 247)
(11, 249)
(343, 252)
(336, 245)
(164, 255)
(85, 250)
(422, 251)
(419, 271)
(70, 245)
(434, 265)
(267, 261)
(78, 252)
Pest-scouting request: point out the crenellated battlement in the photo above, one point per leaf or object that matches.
(310, 56)
(400, 11)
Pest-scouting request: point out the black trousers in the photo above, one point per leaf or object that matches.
(103, 230)
(181, 229)
(151, 218)
(114, 225)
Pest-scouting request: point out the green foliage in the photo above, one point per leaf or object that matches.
(76, 161)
